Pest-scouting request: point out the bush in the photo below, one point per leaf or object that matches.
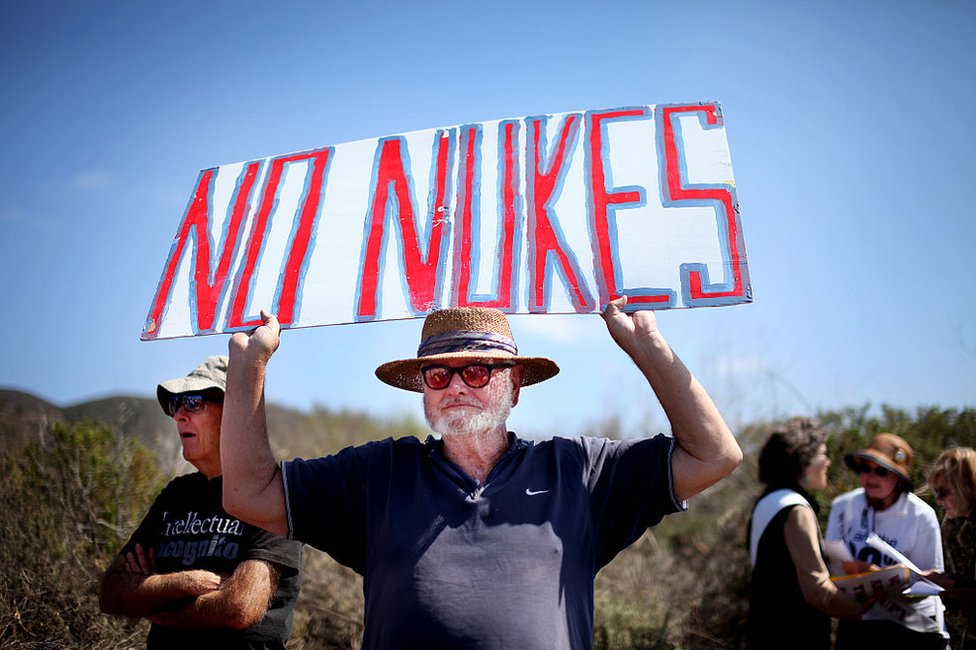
(329, 613)
(73, 496)
(69, 499)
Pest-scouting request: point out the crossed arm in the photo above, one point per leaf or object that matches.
(705, 451)
(189, 600)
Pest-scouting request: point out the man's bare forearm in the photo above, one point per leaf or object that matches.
(696, 422)
(240, 603)
(252, 486)
(706, 450)
(136, 595)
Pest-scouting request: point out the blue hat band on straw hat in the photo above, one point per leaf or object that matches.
(466, 341)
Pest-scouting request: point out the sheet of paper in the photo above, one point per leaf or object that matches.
(919, 585)
(876, 542)
(922, 587)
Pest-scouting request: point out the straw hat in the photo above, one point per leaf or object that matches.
(888, 451)
(463, 333)
(212, 373)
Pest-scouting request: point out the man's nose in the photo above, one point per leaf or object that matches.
(457, 385)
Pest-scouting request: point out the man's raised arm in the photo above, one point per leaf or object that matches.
(253, 489)
(706, 451)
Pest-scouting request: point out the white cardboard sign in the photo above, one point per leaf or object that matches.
(541, 214)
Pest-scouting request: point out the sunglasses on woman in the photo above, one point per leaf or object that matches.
(474, 375)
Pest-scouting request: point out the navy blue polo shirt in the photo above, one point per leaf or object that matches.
(449, 564)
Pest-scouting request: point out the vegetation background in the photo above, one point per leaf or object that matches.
(75, 481)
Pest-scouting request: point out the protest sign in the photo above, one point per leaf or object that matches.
(542, 214)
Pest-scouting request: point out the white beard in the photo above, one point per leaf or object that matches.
(459, 424)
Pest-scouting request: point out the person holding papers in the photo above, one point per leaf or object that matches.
(886, 506)
(791, 597)
(952, 480)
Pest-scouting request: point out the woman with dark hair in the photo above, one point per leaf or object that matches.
(885, 506)
(791, 598)
(952, 480)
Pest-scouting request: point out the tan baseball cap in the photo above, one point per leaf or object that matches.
(210, 374)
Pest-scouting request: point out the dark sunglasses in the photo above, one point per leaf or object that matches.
(940, 493)
(878, 471)
(475, 375)
(191, 403)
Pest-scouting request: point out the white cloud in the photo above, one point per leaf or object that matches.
(22, 218)
(93, 179)
(732, 365)
(12, 215)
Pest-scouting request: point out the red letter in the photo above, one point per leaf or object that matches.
(545, 236)
(288, 293)
(602, 209)
(423, 273)
(694, 276)
(206, 289)
(469, 191)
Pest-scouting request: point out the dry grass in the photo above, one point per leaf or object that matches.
(72, 496)
(65, 500)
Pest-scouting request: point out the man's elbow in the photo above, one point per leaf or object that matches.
(241, 619)
(235, 504)
(117, 605)
(733, 458)
(238, 495)
(250, 512)
(108, 605)
(244, 611)
(729, 459)
(111, 598)
(723, 462)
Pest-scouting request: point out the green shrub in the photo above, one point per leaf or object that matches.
(73, 496)
(69, 499)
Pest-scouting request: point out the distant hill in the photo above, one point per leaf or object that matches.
(136, 417)
(25, 417)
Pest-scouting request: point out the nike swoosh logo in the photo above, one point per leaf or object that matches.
(532, 493)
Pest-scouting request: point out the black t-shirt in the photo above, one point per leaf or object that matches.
(188, 529)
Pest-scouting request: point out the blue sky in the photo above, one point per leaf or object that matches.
(848, 124)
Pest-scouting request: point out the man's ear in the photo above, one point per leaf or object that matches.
(518, 374)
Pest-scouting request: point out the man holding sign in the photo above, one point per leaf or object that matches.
(479, 538)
